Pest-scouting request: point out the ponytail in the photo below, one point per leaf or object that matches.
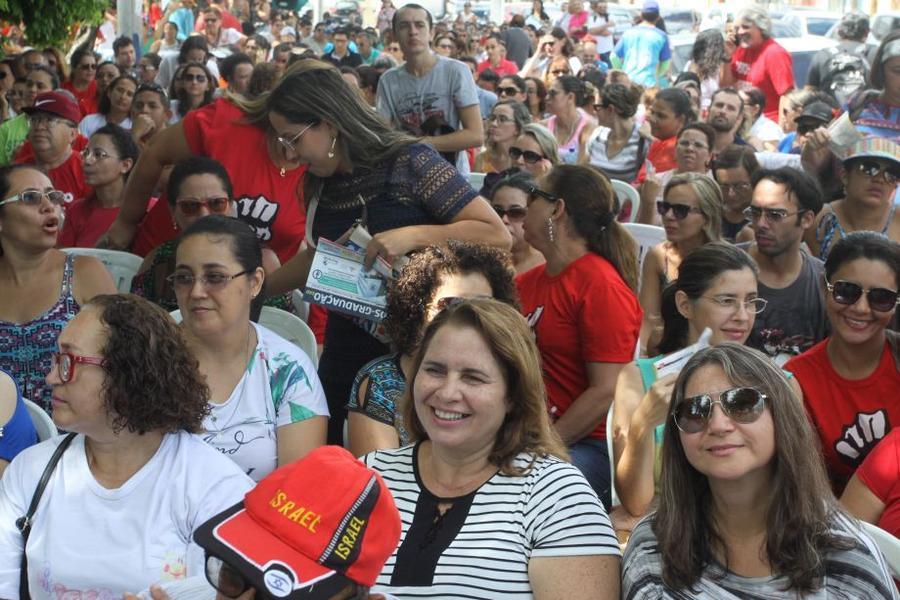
(675, 325)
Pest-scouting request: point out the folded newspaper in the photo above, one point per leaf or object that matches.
(339, 282)
(674, 362)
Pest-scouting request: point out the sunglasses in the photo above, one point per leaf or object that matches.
(515, 213)
(849, 293)
(188, 78)
(742, 405)
(681, 211)
(533, 191)
(873, 169)
(527, 155)
(507, 91)
(191, 206)
(34, 197)
(65, 364)
(733, 188)
(773, 215)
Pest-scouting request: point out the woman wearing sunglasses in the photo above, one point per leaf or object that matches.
(504, 126)
(871, 176)
(716, 289)
(197, 187)
(83, 83)
(106, 162)
(435, 278)
(582, 307)
(42, 288)
(851, 380)
(535, 151)
(509, 197)
(196, 89)
(744, 505)
(114, 106)
(120, 507)
(267, 407)
(691, 213)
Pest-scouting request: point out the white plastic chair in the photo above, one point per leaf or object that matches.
(122, 266)
(287, 325)
(645, 236)
(888, 544)
(627, 195)
(43, 423)
(476, 180)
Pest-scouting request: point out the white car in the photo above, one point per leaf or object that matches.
(800, 23)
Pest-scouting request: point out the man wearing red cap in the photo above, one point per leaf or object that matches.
(53, 128)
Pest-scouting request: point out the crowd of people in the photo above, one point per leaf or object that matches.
(548, 409)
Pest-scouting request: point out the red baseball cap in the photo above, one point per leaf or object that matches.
(308, 528)
(55, 103)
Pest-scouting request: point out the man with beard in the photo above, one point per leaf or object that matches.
(784, 205)
(726, 110)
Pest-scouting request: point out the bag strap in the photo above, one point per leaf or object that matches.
(24, 523)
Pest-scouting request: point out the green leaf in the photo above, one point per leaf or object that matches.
(50, 22)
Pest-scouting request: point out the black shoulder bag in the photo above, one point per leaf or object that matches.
(24, 523)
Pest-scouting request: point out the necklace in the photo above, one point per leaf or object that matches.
(237, 400)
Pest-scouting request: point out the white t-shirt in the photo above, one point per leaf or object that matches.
(92, 123)
(604, 42)
(280, 387)
(766, 130)
(551, 511)
(88, 541)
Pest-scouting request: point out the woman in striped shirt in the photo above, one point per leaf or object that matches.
(617, 147)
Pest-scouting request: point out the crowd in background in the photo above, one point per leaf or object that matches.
(566, 214)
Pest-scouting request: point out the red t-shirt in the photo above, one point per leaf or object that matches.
(87, 98)
(67, 177)
(506, 68)
(26, 152)
(880, 472)
(768, 67)
(585, 314)
(662, 154)
(270, 203)
(850, 416)
(85, 222)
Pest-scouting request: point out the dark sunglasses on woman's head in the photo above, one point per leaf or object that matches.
(534, 191)
(849, 293)
(515, 213)
(527, 155)
(741, 404)
(681, 211)
(873, 169)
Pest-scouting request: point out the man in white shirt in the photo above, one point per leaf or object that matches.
(601, 28)
(216, 35)
(430, 93)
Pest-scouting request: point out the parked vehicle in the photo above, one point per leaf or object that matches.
(800, 23)
(680, 20)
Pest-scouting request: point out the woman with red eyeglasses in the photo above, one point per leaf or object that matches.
(197, 187)
(851, 380)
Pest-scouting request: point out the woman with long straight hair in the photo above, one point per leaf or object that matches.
(582, 306)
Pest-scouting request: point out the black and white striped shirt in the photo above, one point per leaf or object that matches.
(481, 547)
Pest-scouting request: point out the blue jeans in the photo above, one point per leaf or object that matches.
(592, 459)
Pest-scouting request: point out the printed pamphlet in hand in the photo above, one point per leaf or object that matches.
(674, 362)
(339, 282)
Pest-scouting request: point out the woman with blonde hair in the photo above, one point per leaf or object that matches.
(475, 408)
(691, 212)
(535, 151)
(582, 306)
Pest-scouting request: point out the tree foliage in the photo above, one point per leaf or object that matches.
(49, 22)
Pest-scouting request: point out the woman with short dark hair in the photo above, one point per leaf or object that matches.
(133, 481)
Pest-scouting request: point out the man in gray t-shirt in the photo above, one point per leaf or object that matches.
(784, 205)
(430, 90)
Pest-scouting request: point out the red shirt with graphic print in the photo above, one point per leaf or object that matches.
(850, 416)
(768, 67)
(585, 314)
(880, 472)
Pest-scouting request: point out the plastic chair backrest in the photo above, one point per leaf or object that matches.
(626, 195)
(287, 325)
(645, 236)
(43, 423)
(122, 266)
(476, 180)
(888, 544)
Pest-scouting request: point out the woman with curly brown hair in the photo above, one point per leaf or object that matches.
(435, 278)
(120, 506)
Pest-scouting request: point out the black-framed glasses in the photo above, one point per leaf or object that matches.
(515, 213)
(33, 197)
(507, 91)
(65, 364)
(225, 578)
(734, 188)
(849, 293)
(534, 191)
(773, 215)
(741, 404)
(291, 144)
(191, 206)
(213, 281)
(873, 169)
(527, 155)
(680, 211)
